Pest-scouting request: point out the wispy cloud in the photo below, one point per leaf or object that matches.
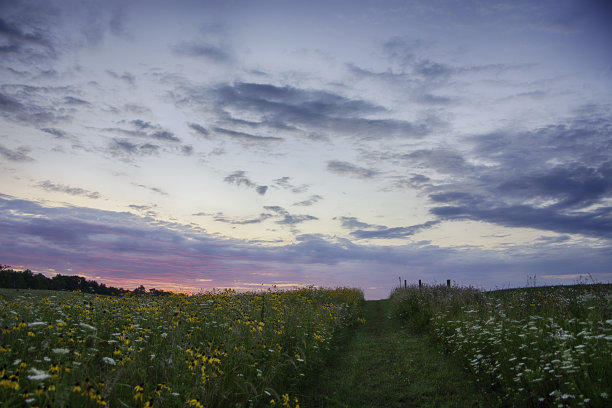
(246, 137)
(289, 219)
(18, 155)
(363, 230)
(310, 201)
(126, 149)
(58, 133)
(200, 130)
(393, 232)
(305, 111)
(238, 177)
(351, 170)
(243, 221)
(286, 184)
(60, 188)
(153, 189)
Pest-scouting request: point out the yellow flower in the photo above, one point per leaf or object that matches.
(138, 390)
(195, 403)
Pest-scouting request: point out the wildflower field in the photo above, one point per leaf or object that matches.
(220, 349)
(538, 346)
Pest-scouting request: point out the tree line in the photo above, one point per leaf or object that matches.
(26, 279)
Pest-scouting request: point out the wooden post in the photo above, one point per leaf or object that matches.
(420, 284)
(448, 283)
(400, 279)
(405, 284)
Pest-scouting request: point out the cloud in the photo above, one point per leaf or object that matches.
(289, 219)
(301, 111)
(9, 104)
(311, 201)
(443, 160)
(128, 250)
(238, 178)
(354, 223)
(364, 230)
(70, 100)
(202, 49)
(165, 136)
(125, 148)
(27, 41)
(126, 76)
(141, 129)
(200, 130)
(433, 70)
(187, 150)
(394, 232)
(76, 191)
(19, 155)
(284, 183)
(596, 222)
(348, 169)
(24, 104)
(246, 137)
(59, 134)
(403, 51)
(556, 178)
(153, 189)
(259, 219)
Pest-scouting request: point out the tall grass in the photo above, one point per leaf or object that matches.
(549, 346)
(214, 350)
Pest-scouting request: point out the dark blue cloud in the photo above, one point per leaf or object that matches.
(307, 111)
(463, 206)
(555, 178)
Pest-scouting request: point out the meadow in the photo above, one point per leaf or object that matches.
(536, 346)
(220, 349)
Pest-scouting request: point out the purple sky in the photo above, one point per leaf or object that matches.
(191, 145)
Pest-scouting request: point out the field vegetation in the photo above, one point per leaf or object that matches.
(220, 349)
(536, 346)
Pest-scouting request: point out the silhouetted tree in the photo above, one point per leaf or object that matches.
(27, 280)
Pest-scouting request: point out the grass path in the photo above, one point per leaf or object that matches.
(384, 365)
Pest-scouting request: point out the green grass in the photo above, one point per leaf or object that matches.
(383, 364)
(547, 346)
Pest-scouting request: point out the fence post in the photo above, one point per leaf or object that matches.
(420, 284)
(405, 284)
(448, 283)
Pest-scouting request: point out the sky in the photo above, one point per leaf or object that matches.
(191, 145)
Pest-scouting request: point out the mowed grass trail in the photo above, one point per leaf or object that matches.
(382, 364)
